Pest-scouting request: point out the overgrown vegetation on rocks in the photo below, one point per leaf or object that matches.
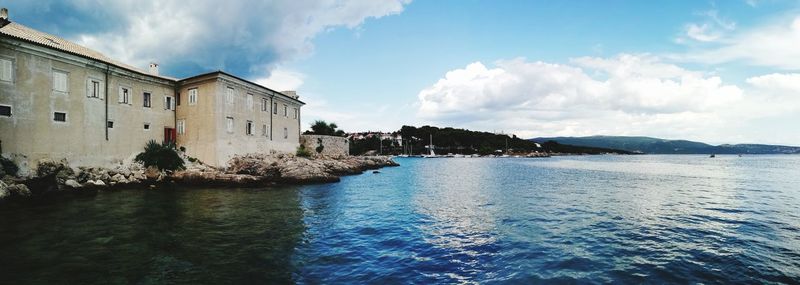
(320, 146)
(162, 156)
(8, 167)
(302, 151)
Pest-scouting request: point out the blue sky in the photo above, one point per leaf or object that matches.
(715, 71)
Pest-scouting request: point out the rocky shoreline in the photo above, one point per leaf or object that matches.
(254, 170)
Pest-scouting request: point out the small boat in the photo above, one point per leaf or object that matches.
(713, 155)
(430, 147)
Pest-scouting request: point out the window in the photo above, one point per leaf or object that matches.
(265, 105)
(146, 126)
(229, 124)
(285, 133)
(248, 128)
(94, 88)
(178, 98)
(229, 96)
(124, 95)
(294, 113)
(264, 130)
(148, 98)
(193, 96)
(181, 126)
(168, 103)
(250, 101)
(59, 117)
(275, 108)
(60, 81)
(5, 111)
(110, 124)
(6, 70)
(285, 110)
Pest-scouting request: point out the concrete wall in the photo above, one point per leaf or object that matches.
(30, 133)
(332, 145)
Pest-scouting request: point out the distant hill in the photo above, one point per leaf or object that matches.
(661, 146)
(460, 141)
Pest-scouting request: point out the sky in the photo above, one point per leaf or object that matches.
(711, 71)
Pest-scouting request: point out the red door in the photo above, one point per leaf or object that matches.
(170, 137)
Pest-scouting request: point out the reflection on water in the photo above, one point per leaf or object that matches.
(612, 219)
(152, 237)
(598, 219)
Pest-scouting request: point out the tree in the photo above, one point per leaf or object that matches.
(320, 127)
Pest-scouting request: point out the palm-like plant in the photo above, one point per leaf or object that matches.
(163, 156)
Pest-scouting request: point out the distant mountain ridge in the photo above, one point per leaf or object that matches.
(662, 146)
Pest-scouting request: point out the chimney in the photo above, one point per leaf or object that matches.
(4, 16)
(154, 68)
(292, 94)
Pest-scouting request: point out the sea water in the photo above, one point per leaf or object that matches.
(585, 219)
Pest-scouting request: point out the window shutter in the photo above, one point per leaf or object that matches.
(60, 81)
(6, 71)
(102, 92)
(121, 95)
(89, 86)
(64, 82)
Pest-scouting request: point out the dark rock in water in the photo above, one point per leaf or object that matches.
(376, 172)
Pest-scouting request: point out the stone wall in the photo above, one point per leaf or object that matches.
(332, 145)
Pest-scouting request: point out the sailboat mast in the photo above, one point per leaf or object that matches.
(431, 145)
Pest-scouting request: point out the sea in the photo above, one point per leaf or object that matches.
(621, 219)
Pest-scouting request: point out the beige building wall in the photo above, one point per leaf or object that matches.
(212, 141)
(31, 134)
(200, 125)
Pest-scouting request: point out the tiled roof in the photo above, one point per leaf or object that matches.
(27, 34)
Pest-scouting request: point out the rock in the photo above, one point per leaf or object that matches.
(152, 173)
(4, 190)
(72, 183)
(216, 178)
(18, 190)
(97, 183)
(119, 179)
(139, 176)
(59, 170)
(376, 172)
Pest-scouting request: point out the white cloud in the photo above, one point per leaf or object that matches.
(711, 29)
(773, 45)
(701, 33)
(785, 81)
(281, 79)
(215, 34)
(623, 95)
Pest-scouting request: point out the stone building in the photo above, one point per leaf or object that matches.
(221, 115)
(62, 100)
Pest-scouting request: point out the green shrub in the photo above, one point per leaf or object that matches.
(320, 147)
(162, 156)
(302, 151)
(192, 159)
(8, 166)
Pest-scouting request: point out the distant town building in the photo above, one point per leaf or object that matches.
(62, 100)
(395, 137)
